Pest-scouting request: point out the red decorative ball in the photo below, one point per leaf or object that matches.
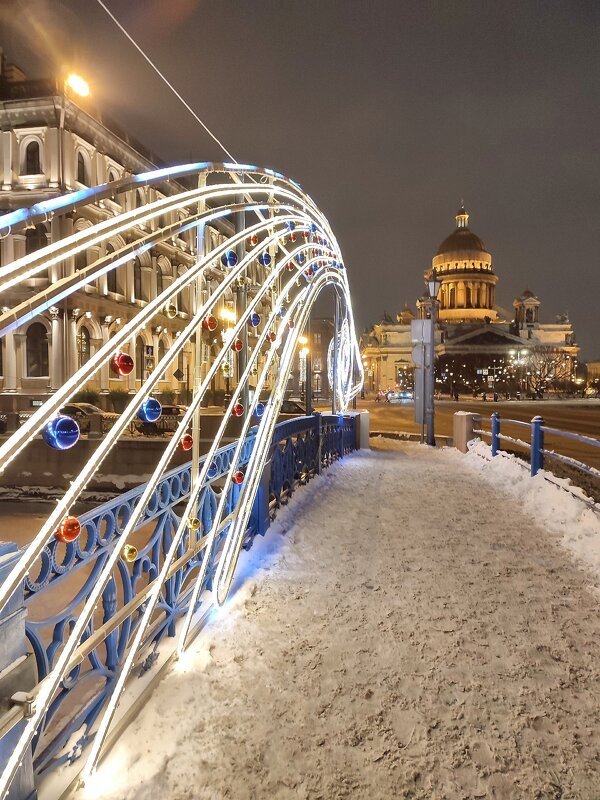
(292, 237)
(186, 442)
(238, 477)
(238, 410)
(237, 345)
(271, 336)
(252, 240)
(68, 530)
(290, 266)
(309, 272)
(121, 364)
(209, 323)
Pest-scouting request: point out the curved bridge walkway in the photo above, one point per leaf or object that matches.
(412, 634)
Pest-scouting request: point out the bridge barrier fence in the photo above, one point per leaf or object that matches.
(38, 620)
(469, 425)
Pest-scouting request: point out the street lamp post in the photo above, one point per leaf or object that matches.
(433, 285)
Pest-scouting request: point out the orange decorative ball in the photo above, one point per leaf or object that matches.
(68, 530)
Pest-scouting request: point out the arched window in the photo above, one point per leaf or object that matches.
(111, 277)
(137, 279)
(139, 198)
(140, 352)
(81, 169)
(35, 238)
(160, 284)
(83, 346)
(452, 303)
(32, 159)
(112, 176)
(36, 346)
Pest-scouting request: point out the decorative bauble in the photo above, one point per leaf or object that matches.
(129, 553)
(170, 310)
(290, 225)
(282, 241)
(210, 323)
(237, 345)
(264, 259)
(259, 409)
(309, 272)
(291, 323)
(300, 258)
(229, 259)
(306, 235)
(290, 266)
(255, 320)
(271, 336)
(252, 240)
(150, 410)
(194, 523)
(237, 410)
(238, 477)
(293, 237)
(186, 442)
(282, 311)
(213, 470)
(313, 227)
(121, 364)
(61, 433)
(68, 530)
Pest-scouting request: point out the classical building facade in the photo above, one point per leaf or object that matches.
(52, 143)
(480, 347)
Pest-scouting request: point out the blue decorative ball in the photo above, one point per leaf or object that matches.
(259, 409)
(290, 225)
(213, 470)
(282, 311)
(300, 258)
(255, 320)
(61, 432)
(313, 227)
(229, 259)
(150, 410)
(264, 259)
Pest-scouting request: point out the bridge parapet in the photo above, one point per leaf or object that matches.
(64, 575)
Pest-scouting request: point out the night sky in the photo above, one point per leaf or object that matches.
(388, 114)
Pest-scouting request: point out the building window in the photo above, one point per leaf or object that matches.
(452, 303)
(160, 285)
(139, 198)
(32, 159)
(180, 363)
(317, 338)
(112, 176)
(137, 279)
(83, 346)
(469, 299)
(36, 346)
(140, 352)
(161, 351)
(35, 239)
(81, 169)
(111, 276)
(80, 261)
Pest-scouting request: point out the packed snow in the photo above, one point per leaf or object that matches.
(410, 627)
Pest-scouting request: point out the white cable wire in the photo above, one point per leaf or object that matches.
(169, 84)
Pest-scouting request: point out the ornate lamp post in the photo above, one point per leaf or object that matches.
(433, 284)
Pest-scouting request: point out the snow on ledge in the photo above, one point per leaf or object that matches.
(573, 518)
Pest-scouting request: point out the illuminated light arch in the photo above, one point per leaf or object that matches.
(279, 206)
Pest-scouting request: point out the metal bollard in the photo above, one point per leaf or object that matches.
(537, 445)
(495, 433)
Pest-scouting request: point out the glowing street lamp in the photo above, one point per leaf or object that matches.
(77, 84)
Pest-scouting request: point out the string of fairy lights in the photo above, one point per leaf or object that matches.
(299, 257)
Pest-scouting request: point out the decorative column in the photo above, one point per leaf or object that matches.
(105, 369)
(56, 371)
(72, 348)
(10, 363)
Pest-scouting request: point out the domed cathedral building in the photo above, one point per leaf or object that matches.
(480, 346)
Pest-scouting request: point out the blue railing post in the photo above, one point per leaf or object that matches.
(260, 519)
(537, 445)
(18, 674)
(317, 414)
(495, 433)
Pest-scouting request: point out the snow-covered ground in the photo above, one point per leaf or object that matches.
(411, 627)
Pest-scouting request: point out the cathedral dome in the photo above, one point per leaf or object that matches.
(461, 239)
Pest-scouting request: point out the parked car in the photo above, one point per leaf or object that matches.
(398, 397)
(167, 422)
(82, 413)
(291, 408)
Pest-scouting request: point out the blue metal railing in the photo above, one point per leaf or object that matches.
(65, 573)
(536, 444)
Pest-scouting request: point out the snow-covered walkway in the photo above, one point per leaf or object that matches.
(412, 634)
